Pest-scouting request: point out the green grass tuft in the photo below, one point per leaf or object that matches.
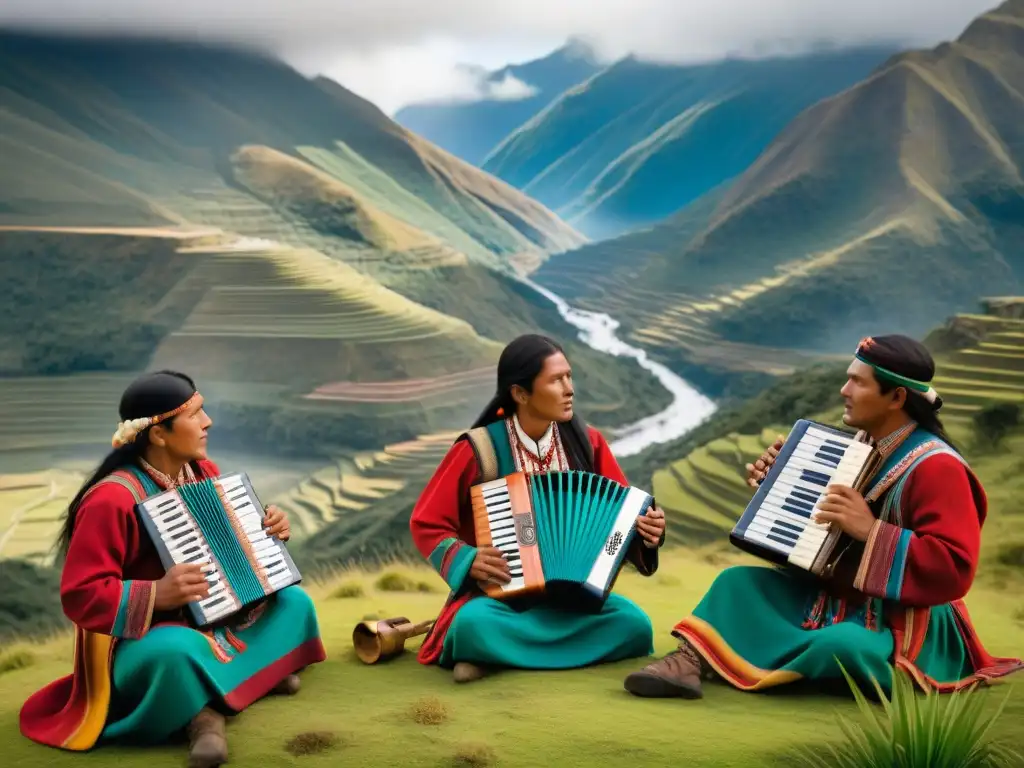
(397, 582)
(915, 729)
(429, 710)
(474, 755)
(348, 590)
(311, 743)
(13, 660)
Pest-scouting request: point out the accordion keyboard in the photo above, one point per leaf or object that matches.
(783, 520)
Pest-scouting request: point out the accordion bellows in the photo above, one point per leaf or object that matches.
(562, 533)
(219, 521)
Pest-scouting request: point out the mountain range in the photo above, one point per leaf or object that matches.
(471, 129)
(884, 207)
(640, 139)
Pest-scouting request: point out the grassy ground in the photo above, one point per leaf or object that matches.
(402, 710)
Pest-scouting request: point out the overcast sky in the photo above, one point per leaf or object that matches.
(397, 51)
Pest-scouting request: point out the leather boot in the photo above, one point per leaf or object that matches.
(676, 675)
(287, 687)
(208, 743)
(464, 672)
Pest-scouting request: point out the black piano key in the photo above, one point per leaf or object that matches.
(798, 511)
(779, 539)
(799, 503)
(817, 478)
(784, 533)
(806, 495)
(791, 526)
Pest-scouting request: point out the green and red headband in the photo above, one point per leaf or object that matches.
(892, 377)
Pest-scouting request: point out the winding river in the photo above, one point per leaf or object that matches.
(688, 407)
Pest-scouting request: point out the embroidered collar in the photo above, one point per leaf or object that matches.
(890, 442)
(186, 475)
(538, 448)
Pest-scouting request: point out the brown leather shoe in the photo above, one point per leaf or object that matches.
(288, 687)
(208, 743)
(676, 675)
(464, 672)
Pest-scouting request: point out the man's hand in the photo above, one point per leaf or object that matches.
(846, 508)
(651, 526)
(183, 583)
(757, 471)
(490, 565)
(276, 523)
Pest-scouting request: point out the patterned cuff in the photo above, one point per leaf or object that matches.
(884, 560)
(452, 559)
(135, 611)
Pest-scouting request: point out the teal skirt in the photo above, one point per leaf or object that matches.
(493, 633)
(750, 627)
(163, 679)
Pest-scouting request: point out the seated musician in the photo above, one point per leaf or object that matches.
(896, 597)
(141, 674)
(534, 429)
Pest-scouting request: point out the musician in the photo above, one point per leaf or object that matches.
(533, 427)
(896, 598)
(140, 673)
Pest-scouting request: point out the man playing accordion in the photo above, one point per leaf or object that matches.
(533, 427)
(141, 673)
(896, 597)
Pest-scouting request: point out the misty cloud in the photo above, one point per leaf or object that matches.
(366, 45)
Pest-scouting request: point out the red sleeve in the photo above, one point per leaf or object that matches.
(931, 558)
(605, 462)
(436, 523)
(644, 558)
(93, 593)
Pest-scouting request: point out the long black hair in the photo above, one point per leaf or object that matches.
(519, 364)
(909, 358)
(149, 395)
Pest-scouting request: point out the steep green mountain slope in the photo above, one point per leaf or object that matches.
(640, 140)
(149, 117)
(884, 207)
(471, 129)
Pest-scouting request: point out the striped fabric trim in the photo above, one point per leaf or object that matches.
(884, 561)
(914, 631)
(452, 559)
(721, 657)
(136, 609)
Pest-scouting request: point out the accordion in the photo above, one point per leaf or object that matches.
(219, 521)
(777, 524)
(563, 534)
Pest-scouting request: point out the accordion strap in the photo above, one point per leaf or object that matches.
(486, 455)
(135, 481)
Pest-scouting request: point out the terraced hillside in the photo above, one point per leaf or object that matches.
(31, 509)
(127, 121)
(359, 506)
(986, 365)
(260, 325)
(889, 205)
